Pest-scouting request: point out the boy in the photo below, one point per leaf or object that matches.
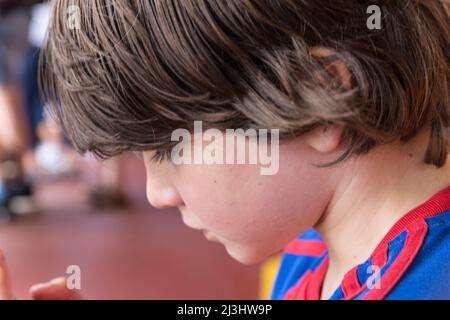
(362, 115)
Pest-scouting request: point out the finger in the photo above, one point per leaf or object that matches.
(55, 289)
(5, 284)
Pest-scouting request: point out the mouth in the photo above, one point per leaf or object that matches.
(209, 236)
(185, 222)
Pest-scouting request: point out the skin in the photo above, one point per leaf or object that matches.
(252, 224)
(376, 192)
(338, 201)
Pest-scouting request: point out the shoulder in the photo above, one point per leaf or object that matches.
(428, 275)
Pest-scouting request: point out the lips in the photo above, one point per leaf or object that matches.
(186, 222)
(209, 236)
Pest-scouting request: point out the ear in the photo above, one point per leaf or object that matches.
(335, 67)
(325, 139)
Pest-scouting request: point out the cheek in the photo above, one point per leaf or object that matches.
(214, 195)
(254, 215)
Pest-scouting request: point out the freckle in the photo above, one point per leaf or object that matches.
(410, 155)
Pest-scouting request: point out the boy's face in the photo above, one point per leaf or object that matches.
(252, 215)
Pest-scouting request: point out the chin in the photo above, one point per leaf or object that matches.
(246, 256)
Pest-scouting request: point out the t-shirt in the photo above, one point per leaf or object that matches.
(411, 262)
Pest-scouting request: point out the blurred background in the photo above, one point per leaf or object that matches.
(58, 209)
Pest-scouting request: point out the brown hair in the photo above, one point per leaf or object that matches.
(138, 69)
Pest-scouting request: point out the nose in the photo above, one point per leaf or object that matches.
(161, 193)
(163, 197)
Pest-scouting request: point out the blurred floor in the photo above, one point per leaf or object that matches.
(136, 253)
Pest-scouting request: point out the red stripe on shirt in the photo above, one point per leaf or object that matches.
(313, 248)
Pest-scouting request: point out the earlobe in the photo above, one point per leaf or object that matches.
(325, 139)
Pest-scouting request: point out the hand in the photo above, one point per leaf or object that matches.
(55, 289)
(5, 284)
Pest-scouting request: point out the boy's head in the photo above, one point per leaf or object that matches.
(125, 74)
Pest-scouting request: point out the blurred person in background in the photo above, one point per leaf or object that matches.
(33, 145)
(48, 155)
(15, 191)
(52, 156)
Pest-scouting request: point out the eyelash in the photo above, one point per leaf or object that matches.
(161, 155)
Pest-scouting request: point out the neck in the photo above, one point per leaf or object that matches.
(376, 191)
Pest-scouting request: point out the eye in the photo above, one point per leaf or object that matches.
(161, 155)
